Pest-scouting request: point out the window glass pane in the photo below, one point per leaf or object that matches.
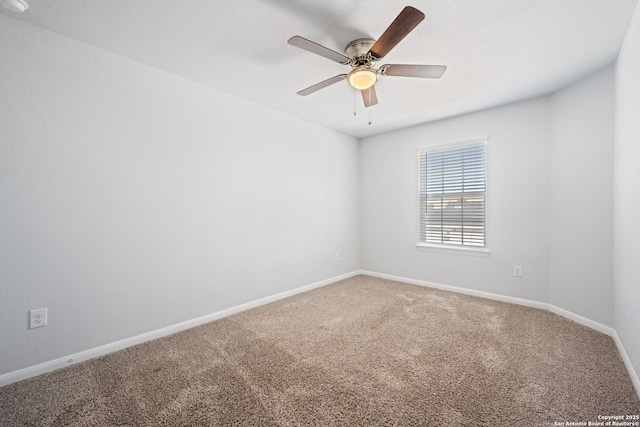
(452, 195)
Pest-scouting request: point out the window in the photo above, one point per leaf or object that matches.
(453, 194)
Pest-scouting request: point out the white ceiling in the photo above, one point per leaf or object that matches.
(497, 51)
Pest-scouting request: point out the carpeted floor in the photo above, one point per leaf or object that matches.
(361, 352)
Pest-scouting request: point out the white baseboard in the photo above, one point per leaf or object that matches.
(481, 294)
(62, 362)
(529, 303)
(627, 362)
(607, 330)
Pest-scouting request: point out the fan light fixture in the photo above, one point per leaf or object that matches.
(362, 78)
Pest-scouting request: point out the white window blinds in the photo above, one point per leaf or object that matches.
(453, 194)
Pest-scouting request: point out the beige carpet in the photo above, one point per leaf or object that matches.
(361, 352)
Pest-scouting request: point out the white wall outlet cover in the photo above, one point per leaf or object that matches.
(517, 271)
(37, 318)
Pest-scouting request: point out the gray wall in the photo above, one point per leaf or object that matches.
(516, 189)
(541, 185)
(581, 198)
(132, 199)
(627, 194)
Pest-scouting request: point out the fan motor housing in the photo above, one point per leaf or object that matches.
(358, 51)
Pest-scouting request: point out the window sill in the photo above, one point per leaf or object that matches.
(469, 251)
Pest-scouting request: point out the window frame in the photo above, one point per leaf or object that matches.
(459, 249)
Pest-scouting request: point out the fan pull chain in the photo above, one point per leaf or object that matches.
(369, 94)
(354, 101)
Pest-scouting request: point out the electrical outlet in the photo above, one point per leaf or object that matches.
(337, 257)
(37, 318)
(517, 271)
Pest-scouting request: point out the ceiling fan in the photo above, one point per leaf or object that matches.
(362, 54)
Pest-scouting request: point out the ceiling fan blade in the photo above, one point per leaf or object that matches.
(369, 96)
(408, 19)
(316, 87)
(407, 70)
(318, 49)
